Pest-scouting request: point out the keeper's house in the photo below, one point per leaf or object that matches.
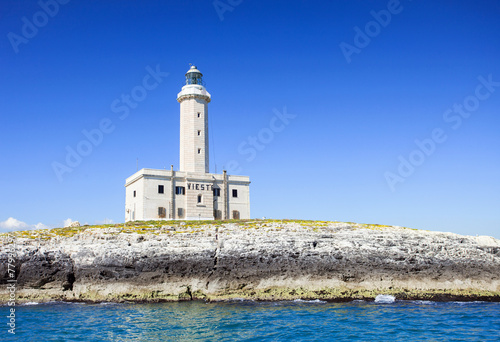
(192, 193)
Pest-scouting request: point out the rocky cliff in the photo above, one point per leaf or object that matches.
(263, 259)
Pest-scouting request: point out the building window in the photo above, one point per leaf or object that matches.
(217, 214)
(198, 114)
(199, 132)
(162, 212)
(235, 193)
(199, 150)
(236, 215)
(180, 190)
(199, 198)
(161, 190)
(216, 192)
(180, 212)
(134, 193)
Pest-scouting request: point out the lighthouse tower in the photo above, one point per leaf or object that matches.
(194, 100)
(191, 192)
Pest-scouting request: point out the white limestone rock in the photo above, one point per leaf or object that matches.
(265, 254)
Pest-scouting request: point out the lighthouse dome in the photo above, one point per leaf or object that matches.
(193, 69)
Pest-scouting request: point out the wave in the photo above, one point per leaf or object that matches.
(385, 299)
(423, 302)
(359, 301)
(308, 301)
(469, 302)
(52, 302)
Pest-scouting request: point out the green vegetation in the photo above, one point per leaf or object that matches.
(343, 294)
(268, 294)
(185, 227)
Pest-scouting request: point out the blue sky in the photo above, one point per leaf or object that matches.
(356, 84)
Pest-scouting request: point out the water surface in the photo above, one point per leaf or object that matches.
(258, 321)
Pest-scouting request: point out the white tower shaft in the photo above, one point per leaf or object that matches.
(194, 101)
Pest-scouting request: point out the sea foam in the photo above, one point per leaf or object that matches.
(30, 303)
(385, 299)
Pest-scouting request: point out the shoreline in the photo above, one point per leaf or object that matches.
(273, 295)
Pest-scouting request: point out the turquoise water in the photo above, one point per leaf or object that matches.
(257, 321)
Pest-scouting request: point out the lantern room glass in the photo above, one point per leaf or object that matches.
(194, 78)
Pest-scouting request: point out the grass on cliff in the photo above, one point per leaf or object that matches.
(157, 227)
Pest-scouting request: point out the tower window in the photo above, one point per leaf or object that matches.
(134, 193)
(180, 190)
(199, 198)
(198, 114)
(235, 193)
(199, 132)
(216, 192)
(199, 151)
(236, 215)
(161, 189)
(180, 212)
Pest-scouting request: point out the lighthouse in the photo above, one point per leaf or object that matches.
(194, 100)
(191, 192)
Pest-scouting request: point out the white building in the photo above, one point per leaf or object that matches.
(192, 193)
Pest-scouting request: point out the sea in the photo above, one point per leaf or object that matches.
(385, 319)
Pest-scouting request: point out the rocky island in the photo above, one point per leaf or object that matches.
(250, 259)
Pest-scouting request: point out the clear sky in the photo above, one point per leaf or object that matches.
(367, 111)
